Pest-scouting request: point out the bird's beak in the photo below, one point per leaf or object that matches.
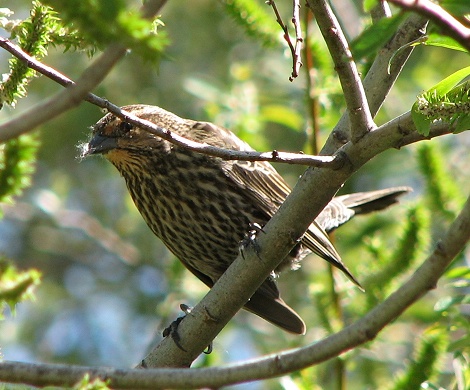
(100, 145)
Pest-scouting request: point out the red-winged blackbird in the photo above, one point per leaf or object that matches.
(201, 207)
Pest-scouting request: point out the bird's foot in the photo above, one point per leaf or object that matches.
(172, 330)
(250, 239)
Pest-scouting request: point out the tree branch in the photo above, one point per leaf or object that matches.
(286, 227)
(75, 92)
(450, 26)
(28, 121)
(363, 330)
(358, 108)
(296, 58)
(65, 99)
(295, 50)
(237, 285)
(381, 77)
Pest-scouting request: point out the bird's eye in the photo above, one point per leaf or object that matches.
(125, 127)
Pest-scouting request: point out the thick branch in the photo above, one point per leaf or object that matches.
(301, 207)
(363, 330)
(358, 108)
(281, 233)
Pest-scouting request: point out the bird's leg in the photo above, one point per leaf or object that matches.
(250, 239)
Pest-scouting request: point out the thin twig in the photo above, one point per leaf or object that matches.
(75, 92)
(313, 103)
(296, 57)
(295, 50)
(450, 26)
(360, 116)
(27, 121)
(66, 99)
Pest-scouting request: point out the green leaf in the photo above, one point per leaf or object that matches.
(422, 123)
(109, 21)
(444, 41)
(459, 272)
(17, 164)
(284, 115)
(446, 85)
(463, 123)
(460, 344)
(375, 36)
(446, 303)
(368, 5)
(33, 37)
(442, 191)
(15, 285)
(255, 20)
(443, 101)
(456, 7)
(425, 364)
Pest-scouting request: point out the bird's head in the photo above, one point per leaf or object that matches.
(122, 142)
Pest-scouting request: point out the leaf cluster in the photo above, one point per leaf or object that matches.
(255, 21)
(103, 22)
(15, 285)
(33, 35)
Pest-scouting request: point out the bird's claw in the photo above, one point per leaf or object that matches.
(250, 239)
(172, 330)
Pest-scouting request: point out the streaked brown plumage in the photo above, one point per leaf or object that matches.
(201, 207)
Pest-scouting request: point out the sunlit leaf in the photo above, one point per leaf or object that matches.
(283, 115)
(459, 272)
(449, 82)
(444, 41)
(369, 4)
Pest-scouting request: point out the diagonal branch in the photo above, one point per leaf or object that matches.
(28, 121)
(286, 227)
(381, 76)
(75, 92)
(363, 330)
(360, 116)
(450, 26)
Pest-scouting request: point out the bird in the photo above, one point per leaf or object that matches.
(202, 207)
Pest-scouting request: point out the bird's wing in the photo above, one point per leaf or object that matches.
(264, 185)
(259, 179)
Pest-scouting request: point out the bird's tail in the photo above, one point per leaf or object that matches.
(340, 210)
(276, 311)
(267, 303)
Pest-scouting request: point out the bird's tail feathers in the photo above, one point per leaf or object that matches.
(276, 311)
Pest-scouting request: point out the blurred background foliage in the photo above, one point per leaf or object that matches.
(108, 286)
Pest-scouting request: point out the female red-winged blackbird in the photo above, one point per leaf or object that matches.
(201, 207)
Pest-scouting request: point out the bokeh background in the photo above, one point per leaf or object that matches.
(109, 287)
